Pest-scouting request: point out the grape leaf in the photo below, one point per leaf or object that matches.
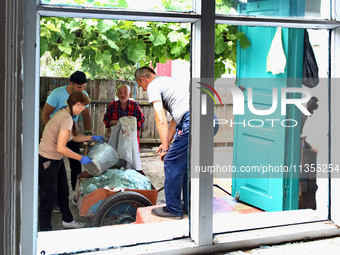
(135, 52)
(103, 59)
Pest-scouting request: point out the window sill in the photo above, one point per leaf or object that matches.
(104, 238)
(231, 241)
(133, 239)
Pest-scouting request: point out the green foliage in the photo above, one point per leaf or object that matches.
(177, 5)
(62, 67)
(97, 3)
(224, 6)
(226, 38)
(106, 46)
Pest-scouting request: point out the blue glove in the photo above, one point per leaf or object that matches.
(99, 138)
(85, 160)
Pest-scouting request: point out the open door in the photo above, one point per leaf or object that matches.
(264, 144)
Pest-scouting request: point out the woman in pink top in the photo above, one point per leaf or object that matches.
(53, 185)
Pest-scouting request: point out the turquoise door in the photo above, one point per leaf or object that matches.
(263, 144)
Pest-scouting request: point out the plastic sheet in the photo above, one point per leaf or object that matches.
(116, 178)
(310, 66)
(123, 139)
(276, 59)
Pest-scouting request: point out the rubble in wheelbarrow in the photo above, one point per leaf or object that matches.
(115, 178)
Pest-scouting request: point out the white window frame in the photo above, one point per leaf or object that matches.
(202, 47)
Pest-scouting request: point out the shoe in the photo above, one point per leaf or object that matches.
(74, 201)
(73, 224)
(56, 209)
(164, 212)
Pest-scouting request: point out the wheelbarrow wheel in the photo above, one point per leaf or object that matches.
(120, 208)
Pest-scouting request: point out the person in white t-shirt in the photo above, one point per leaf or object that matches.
(172, 95)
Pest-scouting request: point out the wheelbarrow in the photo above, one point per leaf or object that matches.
(111, 206)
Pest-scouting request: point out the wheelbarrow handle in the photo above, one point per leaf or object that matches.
(160, 189)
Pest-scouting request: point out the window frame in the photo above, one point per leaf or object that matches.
(202, 47)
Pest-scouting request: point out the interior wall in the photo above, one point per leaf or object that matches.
(11, 35)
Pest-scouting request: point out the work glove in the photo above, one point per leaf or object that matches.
(85, 160)
(88, 132)
(99, 138)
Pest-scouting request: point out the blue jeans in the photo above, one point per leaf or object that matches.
(176, 167)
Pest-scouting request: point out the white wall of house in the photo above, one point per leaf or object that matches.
(181, 70)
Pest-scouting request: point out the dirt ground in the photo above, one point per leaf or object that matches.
(152, 166)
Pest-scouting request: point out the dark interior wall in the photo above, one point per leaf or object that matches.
(11, 35)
